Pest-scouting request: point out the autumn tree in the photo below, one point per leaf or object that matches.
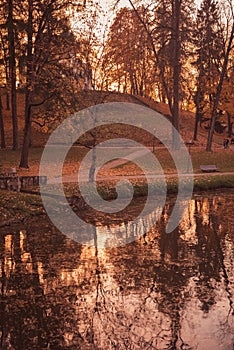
(10, 19)
(12, 71)
(128, 57)
(166, 34)
(227, 100)
(4, 57)
(223, 72)
(49, 58)
(208, 41)
(90, 32)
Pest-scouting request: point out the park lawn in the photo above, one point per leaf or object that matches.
(223, 159)
(11, 159)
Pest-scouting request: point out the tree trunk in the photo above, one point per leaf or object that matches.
(93, 166)
(219, 90)
(176, 8)
(199, 113)
(29, 87)
(198, 100)
(27, 128)
(197, 119)
(3, 143)
(7, 85)
(12, 70)
(229, 124)
(8, 107)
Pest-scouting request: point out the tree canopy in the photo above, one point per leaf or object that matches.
(166, 50)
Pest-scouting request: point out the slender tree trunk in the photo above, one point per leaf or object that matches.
(176, 9)
(8, 107)
(3, 143)
(27, 122)
(198, 113)
(229, 124)
(218, 92)
(197, 119)
(93, 166)
(26, 138)
(12, 70)
(7, 85)
(94, 151)
(198, 99)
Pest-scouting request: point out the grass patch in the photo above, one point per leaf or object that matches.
(9, 158)
(18, 206)
(224, 160)
(213, 182)
(107, 189)
(12, 158)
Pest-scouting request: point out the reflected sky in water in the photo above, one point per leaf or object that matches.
(163, 291)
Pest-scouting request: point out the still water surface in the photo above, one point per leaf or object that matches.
(163, 291)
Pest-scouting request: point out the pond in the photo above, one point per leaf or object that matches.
(162, 291)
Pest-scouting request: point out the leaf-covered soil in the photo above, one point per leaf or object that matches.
(223, 159)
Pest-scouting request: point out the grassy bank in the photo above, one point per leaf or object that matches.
(206, 183)
(20, 206)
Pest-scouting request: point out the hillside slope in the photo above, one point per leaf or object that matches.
(90, 98)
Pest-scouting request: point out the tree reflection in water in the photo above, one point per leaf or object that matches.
(163, 291)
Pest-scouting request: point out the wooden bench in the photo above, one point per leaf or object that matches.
(208, 168)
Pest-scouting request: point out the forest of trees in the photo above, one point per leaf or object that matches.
(167, 50)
